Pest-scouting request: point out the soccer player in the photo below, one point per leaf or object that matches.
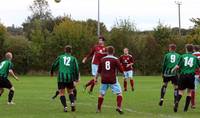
(187, 65)
(171, 59)
(68, 73)
(197, 77)
(126, 61)
(6, 67)
(97, 52)
(108, 69)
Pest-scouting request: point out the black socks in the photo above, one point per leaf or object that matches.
(10, 95)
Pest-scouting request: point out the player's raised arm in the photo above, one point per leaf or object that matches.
(91, 53)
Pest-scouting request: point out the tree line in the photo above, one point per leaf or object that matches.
(42, 37)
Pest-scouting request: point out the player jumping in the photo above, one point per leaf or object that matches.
(187, 65)
(171, 59)
(68, 73)
(97, 52)
(6, 67)
(108, 69)
(197, 77)
(126, 61)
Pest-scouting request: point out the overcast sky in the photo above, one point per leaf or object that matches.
(144, 13)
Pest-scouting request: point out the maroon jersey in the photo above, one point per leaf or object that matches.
(97, 52)
(197, 54)
(108, 68)
(125, 60)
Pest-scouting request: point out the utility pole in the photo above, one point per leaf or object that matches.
(98, 24)
(179, 15)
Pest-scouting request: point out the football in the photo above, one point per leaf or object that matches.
(57, 1)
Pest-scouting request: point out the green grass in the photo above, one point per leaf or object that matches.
(33, 100)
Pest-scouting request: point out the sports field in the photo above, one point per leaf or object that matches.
(33, 100)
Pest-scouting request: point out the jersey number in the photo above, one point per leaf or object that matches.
(107, 65)
(1, 65)
(67, 61)
(173, 58)
(188, 61)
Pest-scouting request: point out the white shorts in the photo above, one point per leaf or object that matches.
(128, 74)
(94, 69)
(197, 81)
(116, 88)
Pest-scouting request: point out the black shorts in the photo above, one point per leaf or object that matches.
(5, 83)
(173, 79)
(63, 85)
(186, 81)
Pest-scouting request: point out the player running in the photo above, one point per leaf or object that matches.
(97, 52)
(171, 59)
(68, 74)
(127, 62)
(188, 64)
(6, 67)
(197, 77)
(108, 69)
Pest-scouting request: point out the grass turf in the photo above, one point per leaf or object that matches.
(33, 100)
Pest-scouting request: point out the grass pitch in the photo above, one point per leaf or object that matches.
(33, 100)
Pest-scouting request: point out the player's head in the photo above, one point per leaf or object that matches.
(110, 50)
(196, 48)
(68, 49)
(9, 55)
(189, 48)
(101, 40)
(126, 51)
(172, 47)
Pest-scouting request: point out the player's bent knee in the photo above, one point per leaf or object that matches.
(119, 94)
(101, 95)
(12, 89)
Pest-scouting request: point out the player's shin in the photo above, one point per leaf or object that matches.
(71, 98)
(10, 95)
(163, 91)
(119, 102)
(187, 103)
(193, 99)
(100, 102)
(75, 94)
(132, 84)
(63, 101)
(56, 94)
(92, 87)
(178, 98)
(175, 94)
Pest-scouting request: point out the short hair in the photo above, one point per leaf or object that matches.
(172, 46)
(189, 47)
(8, 55)
(126, 49)
(68, 49)
(102, 38)
(110, 50)
(196, 47)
